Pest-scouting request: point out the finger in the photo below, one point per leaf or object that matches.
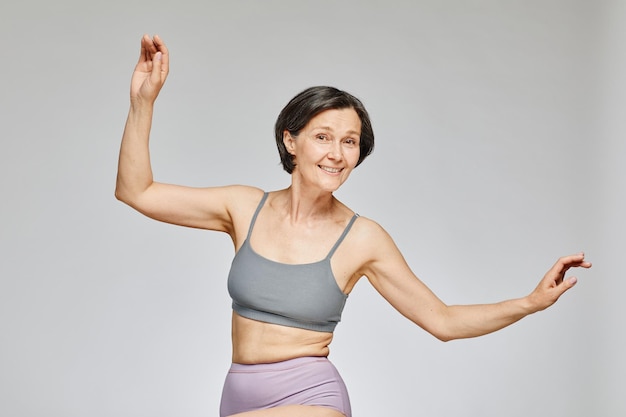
(150, 46)
(572, 259)
(566, 262)
(160, 46)
(155, 75)
(147, 50)
(143, 53)
(158, 43)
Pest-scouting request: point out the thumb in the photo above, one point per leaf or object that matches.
(567, 284)
(155, 75)
(553, 293)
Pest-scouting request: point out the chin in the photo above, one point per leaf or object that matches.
(332, 187)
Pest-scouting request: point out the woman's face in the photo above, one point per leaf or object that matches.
(327, 148)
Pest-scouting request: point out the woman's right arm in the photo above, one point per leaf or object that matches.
(205, 208)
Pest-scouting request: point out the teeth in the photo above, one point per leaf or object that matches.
(332, 170)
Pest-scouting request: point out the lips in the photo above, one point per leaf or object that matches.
(331, 170)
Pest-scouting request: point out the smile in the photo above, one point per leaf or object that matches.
(331, 170)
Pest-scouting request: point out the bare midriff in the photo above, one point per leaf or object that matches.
(258, 342)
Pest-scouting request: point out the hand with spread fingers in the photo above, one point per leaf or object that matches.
(554, 283)
(151, 70)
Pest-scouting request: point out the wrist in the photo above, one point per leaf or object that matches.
(139, 106)
(528, 305)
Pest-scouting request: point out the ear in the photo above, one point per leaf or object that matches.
(290, 142)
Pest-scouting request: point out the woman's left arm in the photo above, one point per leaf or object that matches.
(393, 279)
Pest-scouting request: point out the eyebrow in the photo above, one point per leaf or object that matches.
(350, 132)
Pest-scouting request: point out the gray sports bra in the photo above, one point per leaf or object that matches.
(305, 296)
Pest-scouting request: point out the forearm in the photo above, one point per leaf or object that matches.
(465, 321)
(134, 173)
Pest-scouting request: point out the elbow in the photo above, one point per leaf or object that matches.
(120, 195)
(443, 337)
(132, 197)
(439, 332)
(441, 329)
(123, 194)
(127, 199)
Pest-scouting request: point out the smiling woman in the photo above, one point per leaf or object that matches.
(300, 251)
(327, 149)
(311, 102)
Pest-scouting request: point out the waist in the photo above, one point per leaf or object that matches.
(256, 342)
(277, 366)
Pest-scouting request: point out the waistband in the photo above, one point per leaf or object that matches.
(278, 366)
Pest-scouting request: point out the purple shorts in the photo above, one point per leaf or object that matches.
(300, 381)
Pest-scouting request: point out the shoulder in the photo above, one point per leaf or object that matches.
(242, 191)
(367, 228)
(364, 229)
(238, 195)
(371, 239)
(240, 199)
(369, 250)
(379, 257)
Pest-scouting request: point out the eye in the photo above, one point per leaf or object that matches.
(322, 138)
(351, 142)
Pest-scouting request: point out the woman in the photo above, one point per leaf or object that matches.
(300, 251)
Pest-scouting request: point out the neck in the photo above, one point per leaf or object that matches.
(301, 203)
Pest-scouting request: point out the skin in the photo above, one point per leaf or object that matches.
(300, 224)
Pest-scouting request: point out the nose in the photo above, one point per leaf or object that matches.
(335, 152)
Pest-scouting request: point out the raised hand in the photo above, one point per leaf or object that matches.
(554, 283)
(151, 70)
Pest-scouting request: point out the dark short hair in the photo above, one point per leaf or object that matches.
(308, 104)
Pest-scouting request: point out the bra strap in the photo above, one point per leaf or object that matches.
(343, 235)
(256, 213)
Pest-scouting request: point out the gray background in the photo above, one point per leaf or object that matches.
(500, 134)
